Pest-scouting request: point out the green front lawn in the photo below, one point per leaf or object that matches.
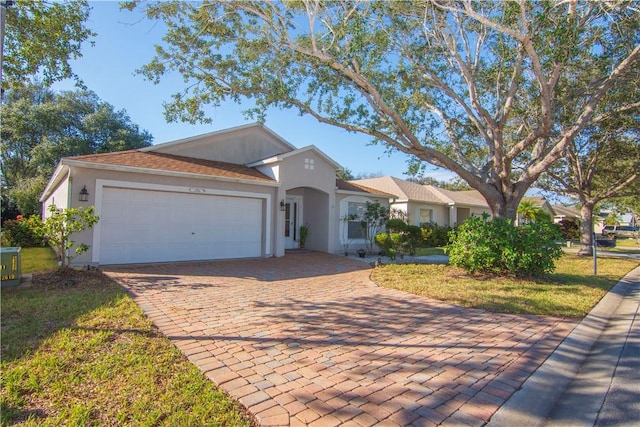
(37, 260)
(569, 292)
(429, 251)
(76, 350)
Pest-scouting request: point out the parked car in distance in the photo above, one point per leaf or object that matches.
(615, 231)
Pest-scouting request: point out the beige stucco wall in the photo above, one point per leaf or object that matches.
(238, 146)
(59, 197)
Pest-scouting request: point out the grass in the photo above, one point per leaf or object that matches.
(429, 251)
(37, 260)
(76, 350)
(571, 291)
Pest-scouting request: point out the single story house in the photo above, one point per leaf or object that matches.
(566, 213)
(242, 192)
(426, 203)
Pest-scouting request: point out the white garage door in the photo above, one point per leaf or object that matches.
(159, 226)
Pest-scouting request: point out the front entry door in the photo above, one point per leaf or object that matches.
(291, 223)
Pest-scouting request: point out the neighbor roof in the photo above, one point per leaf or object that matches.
(168, 162)
(464, 197)
(403, 190)
(566, 211)
(357, 188)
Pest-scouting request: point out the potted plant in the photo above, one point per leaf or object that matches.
(304, 233)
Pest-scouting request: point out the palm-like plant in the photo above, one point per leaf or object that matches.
(530, 212)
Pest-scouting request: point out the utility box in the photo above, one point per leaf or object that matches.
(10, 267)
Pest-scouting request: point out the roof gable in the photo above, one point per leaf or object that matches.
(281, 157)
(240, 145)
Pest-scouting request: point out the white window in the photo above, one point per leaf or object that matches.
(355, 213)
(426, 216)
(308, 164)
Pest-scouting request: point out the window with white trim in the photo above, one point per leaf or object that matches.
(355, 212)
(426, 216)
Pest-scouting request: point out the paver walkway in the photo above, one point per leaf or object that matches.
(308, 339)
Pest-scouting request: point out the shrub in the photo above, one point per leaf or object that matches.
(413, 237)
(434, 235)
(497, 246)
(23, 232)
(390, 243)
(570, 230)
(396, 225)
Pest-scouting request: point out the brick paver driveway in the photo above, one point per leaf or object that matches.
(308, 339)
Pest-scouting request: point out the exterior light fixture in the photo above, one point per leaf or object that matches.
(84, 194)
(283, 205)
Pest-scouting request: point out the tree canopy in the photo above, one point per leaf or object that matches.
(493, 91)
(602, 162)
(39, 127)
(41, 38)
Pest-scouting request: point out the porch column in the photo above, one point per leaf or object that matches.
(453, 215)
(281, 195)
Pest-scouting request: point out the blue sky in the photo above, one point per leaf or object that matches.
(125, 42)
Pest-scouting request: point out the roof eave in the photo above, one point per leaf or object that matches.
(363, 193)
(133, 169)
(56, 178)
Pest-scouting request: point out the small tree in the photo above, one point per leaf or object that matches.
(373, 219)
(60, 227)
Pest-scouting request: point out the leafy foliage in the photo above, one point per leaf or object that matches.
(60, 227)
(569, 230)
(373, 220)
(531, 212)
(493, 91)
(399, 238)
(41, 39)
(434, 235)
(23, 232)
(496, 246)
(39, 127)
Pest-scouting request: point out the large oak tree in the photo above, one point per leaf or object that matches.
(482, 88)
(40, 126)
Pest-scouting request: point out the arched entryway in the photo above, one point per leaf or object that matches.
(309, 207)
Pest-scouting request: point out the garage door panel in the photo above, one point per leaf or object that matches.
(156, 226)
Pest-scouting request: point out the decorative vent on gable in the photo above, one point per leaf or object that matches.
(308, 164)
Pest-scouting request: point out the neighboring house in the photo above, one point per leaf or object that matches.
(566, 213)
(243, 192)
(426, 203)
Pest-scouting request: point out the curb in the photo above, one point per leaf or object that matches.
(532, 404)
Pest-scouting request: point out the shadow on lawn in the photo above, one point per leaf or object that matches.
(52, 302)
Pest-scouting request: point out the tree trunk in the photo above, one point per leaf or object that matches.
(586, 229)
(502, 204)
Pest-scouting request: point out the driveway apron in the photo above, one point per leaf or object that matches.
(308, 339)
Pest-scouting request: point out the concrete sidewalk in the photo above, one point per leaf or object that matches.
(593, 377)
